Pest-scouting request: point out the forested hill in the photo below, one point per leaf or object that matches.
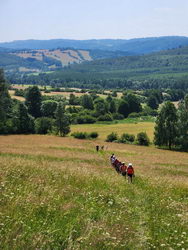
(174, 60)
(132, 46)
(166, 68)
(49, 60)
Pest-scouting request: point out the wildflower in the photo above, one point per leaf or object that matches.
(162, 245)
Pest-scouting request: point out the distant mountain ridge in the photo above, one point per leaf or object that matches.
(131, 46)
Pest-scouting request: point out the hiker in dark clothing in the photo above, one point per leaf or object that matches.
(123, 169)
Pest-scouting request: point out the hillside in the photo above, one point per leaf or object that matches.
(59, 193)
(50, 55)
(174, 59)
(132, 46)
(164, 68)
(49, 60)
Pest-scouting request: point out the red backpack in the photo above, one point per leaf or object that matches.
(130, 170)
(123, 168)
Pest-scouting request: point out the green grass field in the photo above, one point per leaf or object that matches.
(132, 126)
(59, 193)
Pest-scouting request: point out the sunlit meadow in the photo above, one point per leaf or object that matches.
(59, 193)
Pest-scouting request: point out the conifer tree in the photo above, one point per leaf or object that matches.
(25, 122)
(62, 120)
(33, 101)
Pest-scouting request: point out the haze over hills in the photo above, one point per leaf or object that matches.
(133, 46)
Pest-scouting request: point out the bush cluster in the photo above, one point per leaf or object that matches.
(141, 139)
(85, 135)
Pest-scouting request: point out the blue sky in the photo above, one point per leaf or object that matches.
(88, 19)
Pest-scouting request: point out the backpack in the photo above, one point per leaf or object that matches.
(123, 169)
(130, 170)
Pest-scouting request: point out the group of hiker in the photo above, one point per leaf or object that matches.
(121, 168)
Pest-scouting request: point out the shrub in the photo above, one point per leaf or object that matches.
(85, 119)
(117, 116)
(84, 135)
(93, 135)
(19, 92)
(127, 138)
(143, 139)
(112, 137)
(135, 115)
(106, 117)
(43, 125)
(80, 135)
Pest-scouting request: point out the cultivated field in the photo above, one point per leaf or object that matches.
(59, 193)
(52, 93)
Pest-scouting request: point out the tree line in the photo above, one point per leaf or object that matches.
(17, 117)
(171, 129)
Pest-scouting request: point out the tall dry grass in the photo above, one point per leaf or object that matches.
(59, 193)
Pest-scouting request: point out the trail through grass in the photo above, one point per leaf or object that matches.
(58, 197)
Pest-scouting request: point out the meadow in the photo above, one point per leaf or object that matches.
(129, 125)
(59, 193)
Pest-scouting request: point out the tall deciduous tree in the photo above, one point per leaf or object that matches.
(87, 102)
(182, 139)
(62, 120)
(33, 101)
(112, 106)
(48, 108)
(153, 102)
(123, 108)
(134, 103)
(5, 103)
(166, 126)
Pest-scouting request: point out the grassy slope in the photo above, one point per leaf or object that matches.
(59, 193)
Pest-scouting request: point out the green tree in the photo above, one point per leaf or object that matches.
(5, 103)
(74, 100)
(112, 106)
(87, 102)
(48, 108)
(123, 108)
(62, 120)
(153, 102)
(33, 101)
(134, 103)
(25, 122)
(166, 126)
(182, 138)
(43, 125)
(101, 106)
(143, 139)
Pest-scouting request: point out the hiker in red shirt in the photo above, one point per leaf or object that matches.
(130, 172)
(123, 169)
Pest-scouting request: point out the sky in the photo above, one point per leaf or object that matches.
(92, 19)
